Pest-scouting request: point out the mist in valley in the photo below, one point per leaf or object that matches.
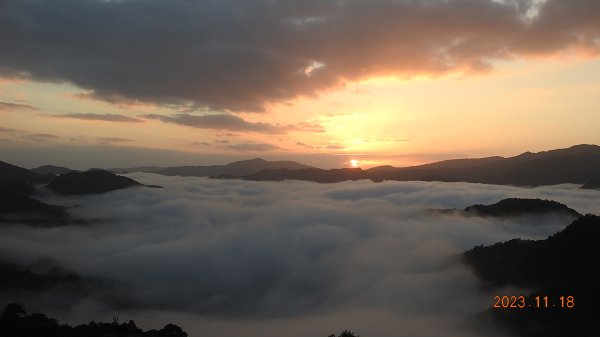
(239, 258)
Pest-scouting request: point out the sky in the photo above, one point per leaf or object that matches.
(114, 83)
(235, 258)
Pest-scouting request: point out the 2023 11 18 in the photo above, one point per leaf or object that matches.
(522, 302)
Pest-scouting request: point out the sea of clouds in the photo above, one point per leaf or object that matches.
(239, 258)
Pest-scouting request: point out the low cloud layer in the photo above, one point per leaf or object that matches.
(239, 258)
(243, 55)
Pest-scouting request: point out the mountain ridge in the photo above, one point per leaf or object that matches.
(234, 169)
(578, 164)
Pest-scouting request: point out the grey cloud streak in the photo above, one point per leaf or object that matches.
(254, 256)
(252, 147)
(100, 117)
(227, 122)
(111, 140)
(218, 122)
(244, 54)
(9, 107)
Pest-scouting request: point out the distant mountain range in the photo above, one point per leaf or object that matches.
(17, 192)
(235, 169)
(579, 164)
(515, 207)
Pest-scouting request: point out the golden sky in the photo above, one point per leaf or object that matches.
(381, 82)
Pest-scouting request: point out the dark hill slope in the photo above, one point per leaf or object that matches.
(90, 182)
(593, 184)
(12, 172)
(565, 264)
(17, 206)
(511, 207)
(51, 169)
(578, 165)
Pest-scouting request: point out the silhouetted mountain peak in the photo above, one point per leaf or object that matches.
(584, 147)
(593, 184)
(12, 172)
(51, 169)
(583, 232)
(253, 160)
(517, 207)
(382, 168)
(90, 182)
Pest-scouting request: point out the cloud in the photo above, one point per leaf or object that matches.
(100, 117)
(334, 147)
(385, 140)
(41, 137)
(310, 127)
(10, 130)
(201, 143)
(330, 146)
(242, 55)
(241, 258)
(218, 122)
(252, 147)
(111, 140)
(9, 107)
(227, 134)
(305, 145)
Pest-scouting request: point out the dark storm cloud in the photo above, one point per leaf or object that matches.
(100, 117)
(244, 54)
(8, 107)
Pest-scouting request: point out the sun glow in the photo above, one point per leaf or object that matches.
(354, 163)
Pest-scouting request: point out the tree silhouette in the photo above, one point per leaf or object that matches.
(345, 333)
(15, 322)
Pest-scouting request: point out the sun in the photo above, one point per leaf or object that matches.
(354, 163)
